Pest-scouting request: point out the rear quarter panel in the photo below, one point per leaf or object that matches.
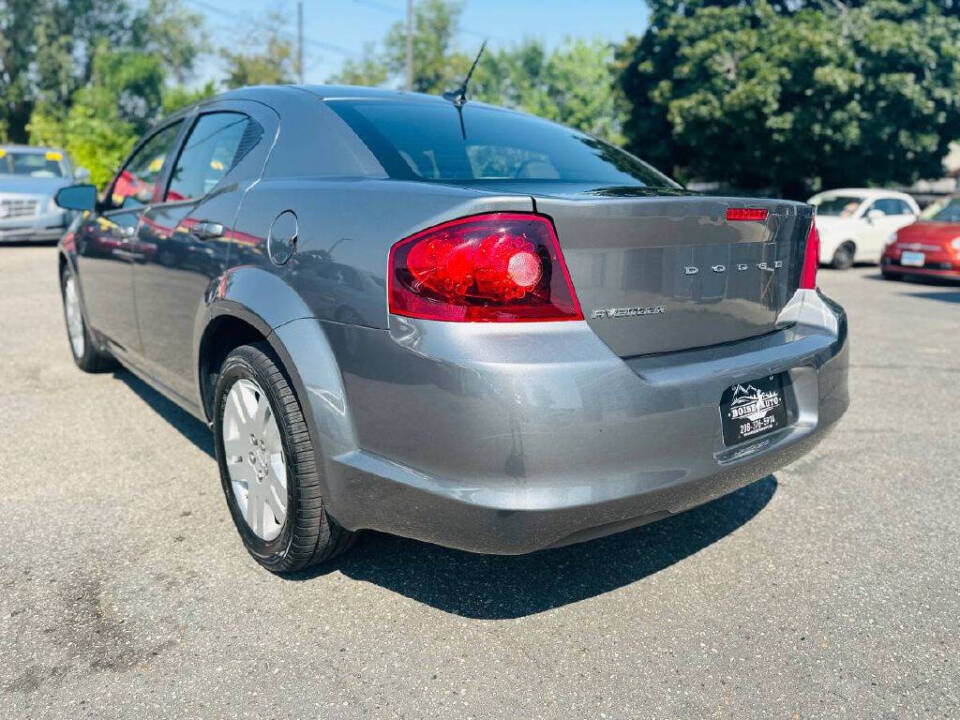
(345, 230)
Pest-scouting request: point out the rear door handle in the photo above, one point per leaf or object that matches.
(208, 230)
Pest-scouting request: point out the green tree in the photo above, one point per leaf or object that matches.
(437, 65)
(48, 50)
(123, 98)
(174, 34)
(178, 96)
(574, 84)
(16, 42)
(274, 65)
(795, 95)
(370, 69)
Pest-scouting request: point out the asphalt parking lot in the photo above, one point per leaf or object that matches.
(829, 590)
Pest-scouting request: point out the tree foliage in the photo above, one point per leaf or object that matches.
(572, 84)
(795, 95)
(437, 65)
(272, 65)
(105, 117)
(92, 75)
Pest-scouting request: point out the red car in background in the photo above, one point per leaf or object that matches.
(929, 247)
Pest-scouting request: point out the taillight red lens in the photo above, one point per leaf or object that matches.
(811, 260)
(500, 267)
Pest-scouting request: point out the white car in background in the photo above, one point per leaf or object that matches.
(855, 224)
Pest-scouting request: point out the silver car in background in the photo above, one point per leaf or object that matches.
(449, 321)
(29, 179)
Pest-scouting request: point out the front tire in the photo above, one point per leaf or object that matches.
(269, 466)
(83, 346)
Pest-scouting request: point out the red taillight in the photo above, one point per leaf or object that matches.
(501, 267)
(811, 259)
(747, 214)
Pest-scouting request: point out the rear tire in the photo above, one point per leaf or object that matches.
(84, 348)
(842, 258)
(264, 452)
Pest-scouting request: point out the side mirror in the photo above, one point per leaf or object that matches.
(876, 215)
(81, 174)
(77, 197)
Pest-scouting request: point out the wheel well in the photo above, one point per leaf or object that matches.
(223, 335)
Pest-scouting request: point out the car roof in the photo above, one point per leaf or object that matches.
(266, 93)
(864, 193)
(324, 92)
(340, 92)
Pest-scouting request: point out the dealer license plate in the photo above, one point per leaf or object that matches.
(750, 410)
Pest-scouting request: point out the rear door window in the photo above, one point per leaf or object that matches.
(217, 142)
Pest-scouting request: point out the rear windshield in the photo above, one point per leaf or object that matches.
(426, 141)
(839, 206)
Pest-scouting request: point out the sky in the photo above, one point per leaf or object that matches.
(337, 29)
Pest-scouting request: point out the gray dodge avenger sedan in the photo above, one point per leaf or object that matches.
(449, 321)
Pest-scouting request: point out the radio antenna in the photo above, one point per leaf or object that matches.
(459, 96)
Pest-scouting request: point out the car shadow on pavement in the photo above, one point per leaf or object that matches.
(917, 281)
(187, 425)
(501, 587)
(950, 297)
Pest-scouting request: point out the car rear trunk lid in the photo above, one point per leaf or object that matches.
(660, 274)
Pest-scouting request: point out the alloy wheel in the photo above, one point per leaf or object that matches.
(71, 304)
(254, 458)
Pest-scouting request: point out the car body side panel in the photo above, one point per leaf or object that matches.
(105, 272)
(175, 269)
(346, 229)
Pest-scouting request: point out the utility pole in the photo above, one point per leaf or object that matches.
(300, 40)
(409, 45)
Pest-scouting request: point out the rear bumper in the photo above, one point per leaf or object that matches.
(503, 439)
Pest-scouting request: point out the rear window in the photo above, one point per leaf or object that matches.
(426, 141)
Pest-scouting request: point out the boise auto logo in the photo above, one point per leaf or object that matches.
(752, 403)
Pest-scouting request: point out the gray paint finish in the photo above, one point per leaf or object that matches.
(635, 253)
(489, 437)
(543, 443)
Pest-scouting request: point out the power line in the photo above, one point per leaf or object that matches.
(286, 34)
